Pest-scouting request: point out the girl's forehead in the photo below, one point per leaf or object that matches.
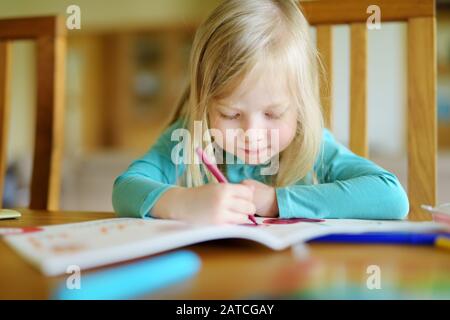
(264, 84)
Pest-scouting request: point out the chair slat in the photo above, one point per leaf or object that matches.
(325, 48)
(358, 89)
(31, 28)
(350, 11)
(45, 183)
(5, 68)
(422, 133)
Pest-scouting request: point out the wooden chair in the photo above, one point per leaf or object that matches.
(49, 35)
(421, 122)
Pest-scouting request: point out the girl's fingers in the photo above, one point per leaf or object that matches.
(242, 206)
(241, 191)
(237, 218)
(249, 183)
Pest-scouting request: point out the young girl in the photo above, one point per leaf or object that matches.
(253, 77)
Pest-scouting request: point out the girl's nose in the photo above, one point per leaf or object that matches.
(254, 134)
(251, 124)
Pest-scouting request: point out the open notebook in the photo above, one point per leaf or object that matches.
(95, 243)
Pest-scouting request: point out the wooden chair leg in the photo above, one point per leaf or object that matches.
(5, 69)
(422, 133)
(358, 89)
(45, 184)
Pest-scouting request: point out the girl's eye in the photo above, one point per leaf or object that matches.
(272, 116)
(230, 117)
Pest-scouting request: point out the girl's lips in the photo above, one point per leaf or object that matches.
(257, 151)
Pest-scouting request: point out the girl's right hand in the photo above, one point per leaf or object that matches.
(216, 203)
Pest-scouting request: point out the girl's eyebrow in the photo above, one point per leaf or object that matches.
(277, 105)
(226, 105)
(271, 106)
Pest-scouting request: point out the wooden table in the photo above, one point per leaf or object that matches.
(234, 269)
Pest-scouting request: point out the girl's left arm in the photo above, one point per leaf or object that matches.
(350, 187)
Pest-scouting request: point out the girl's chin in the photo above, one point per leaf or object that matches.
(253, 158)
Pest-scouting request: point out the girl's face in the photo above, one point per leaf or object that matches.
(257, 121)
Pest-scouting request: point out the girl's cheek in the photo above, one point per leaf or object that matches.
(286, 136)
(226, 140)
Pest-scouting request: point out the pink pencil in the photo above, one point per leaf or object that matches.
(216, 173)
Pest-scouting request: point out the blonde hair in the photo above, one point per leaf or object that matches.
(227, 46)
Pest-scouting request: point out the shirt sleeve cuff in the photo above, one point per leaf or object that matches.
(151, 199)
(284, 211)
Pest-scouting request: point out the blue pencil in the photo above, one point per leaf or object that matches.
(426, 239)
(133, 280)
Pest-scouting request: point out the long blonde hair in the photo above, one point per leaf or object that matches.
(226, 47)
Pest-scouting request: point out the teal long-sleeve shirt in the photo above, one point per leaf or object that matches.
(348, 186)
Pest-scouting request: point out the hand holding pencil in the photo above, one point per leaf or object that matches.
(218, 175)
(213, 203)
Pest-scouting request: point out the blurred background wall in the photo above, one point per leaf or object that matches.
(128, 64)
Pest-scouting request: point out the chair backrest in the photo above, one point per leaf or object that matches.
(421, 49)
(49, 35)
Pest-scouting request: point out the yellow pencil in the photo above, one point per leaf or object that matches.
(443, 242)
